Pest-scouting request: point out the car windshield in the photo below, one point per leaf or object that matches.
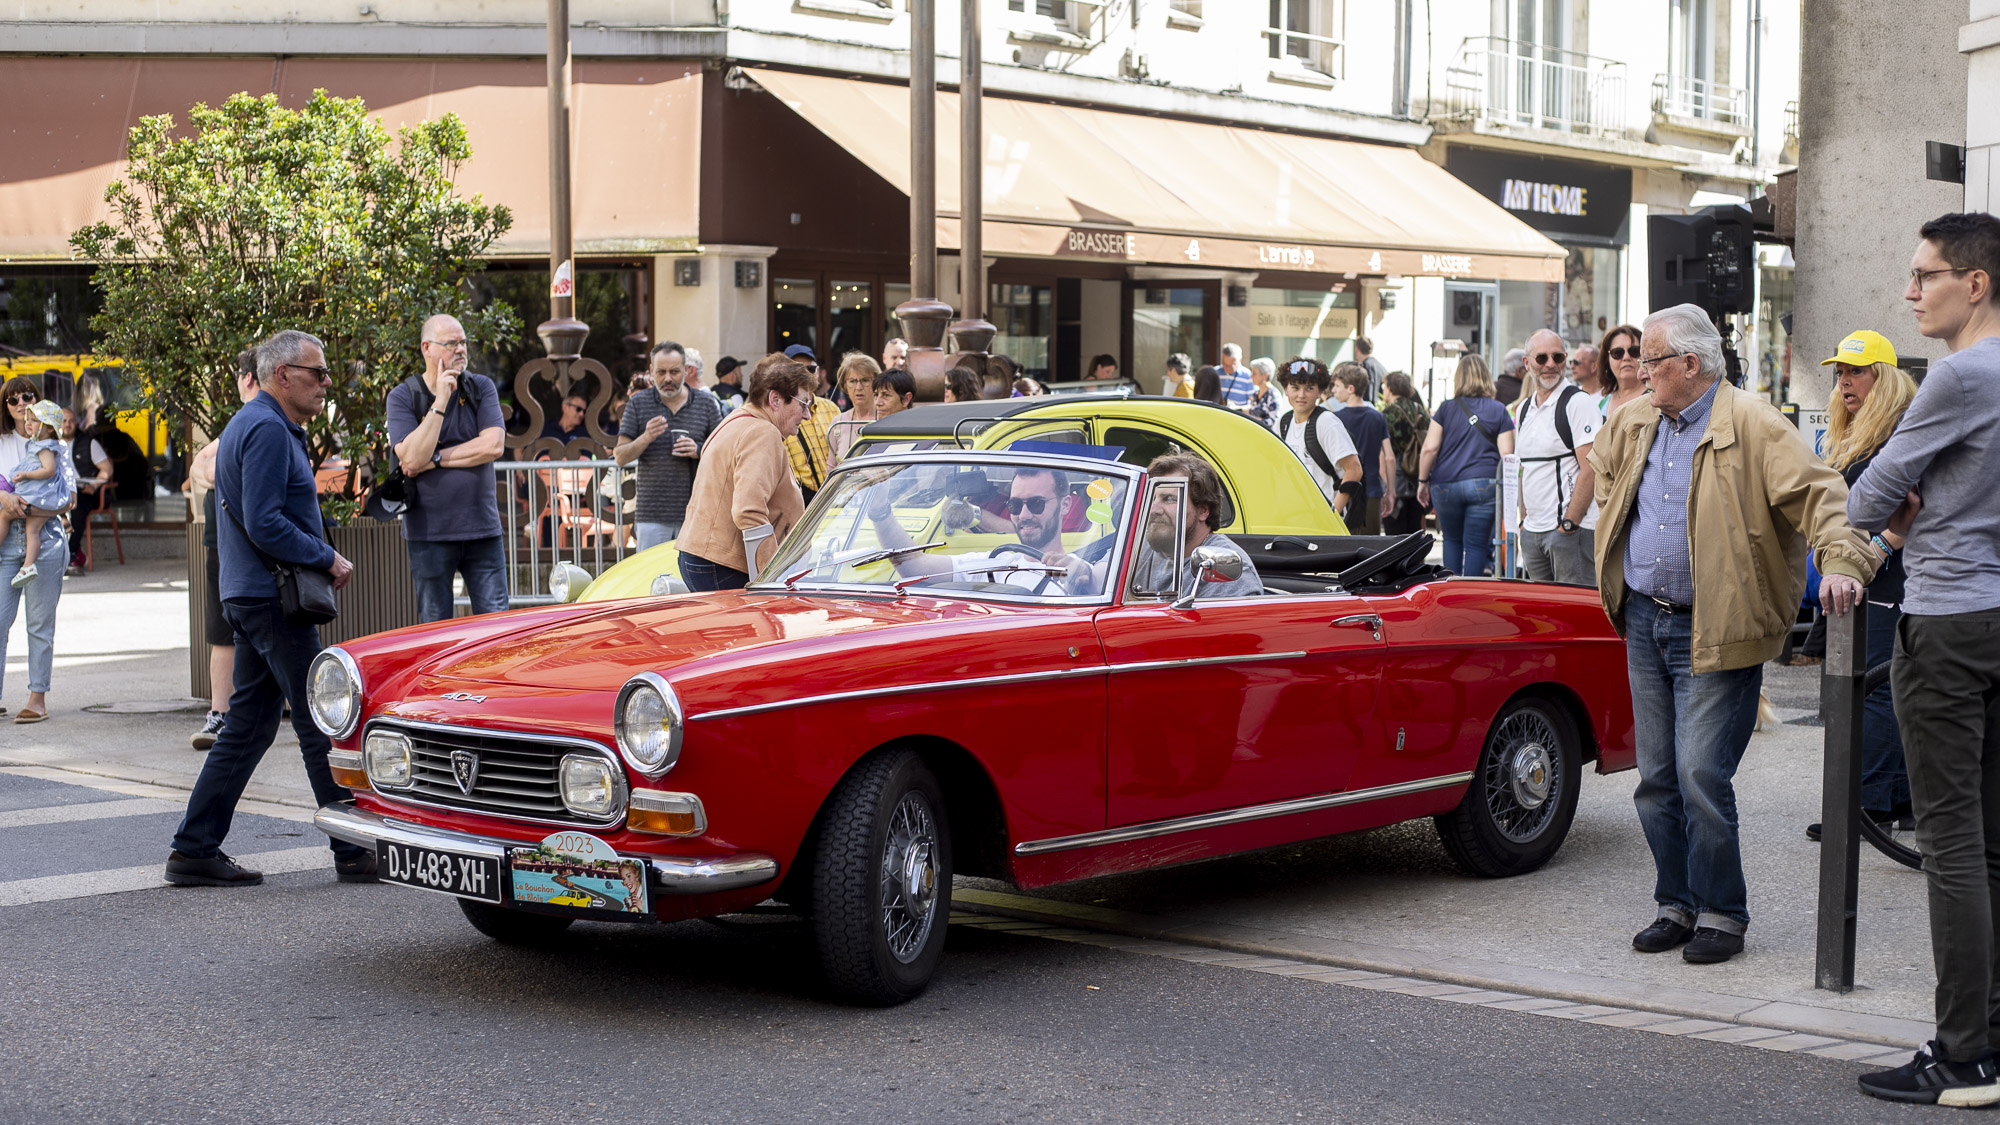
(986, 528)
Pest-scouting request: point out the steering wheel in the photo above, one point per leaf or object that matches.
(1389, 559)
(1017, 548)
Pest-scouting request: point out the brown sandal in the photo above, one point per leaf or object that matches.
(26, 716)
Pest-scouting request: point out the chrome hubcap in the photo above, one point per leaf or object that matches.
(910, 877)
(1523, 771)
(1531, 775)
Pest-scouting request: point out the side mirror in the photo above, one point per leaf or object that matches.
(1212, 564)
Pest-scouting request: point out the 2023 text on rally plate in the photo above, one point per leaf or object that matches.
(427, 869)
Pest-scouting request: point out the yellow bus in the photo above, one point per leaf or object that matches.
(93, 380)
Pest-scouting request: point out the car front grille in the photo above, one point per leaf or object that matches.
(516, 776)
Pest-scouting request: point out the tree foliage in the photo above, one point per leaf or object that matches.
(254, 218)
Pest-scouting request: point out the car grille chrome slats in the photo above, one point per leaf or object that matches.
(516, 777)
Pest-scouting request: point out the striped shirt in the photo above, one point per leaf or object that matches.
(1659, 562)
(1237, 389)
(811, 453)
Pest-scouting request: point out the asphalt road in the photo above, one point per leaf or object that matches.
(307, 1000)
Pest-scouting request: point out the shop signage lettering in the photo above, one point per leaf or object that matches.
(1101, 244)
(1301, 322)
(1451, 265)
(1549, 199)
(1284, 256)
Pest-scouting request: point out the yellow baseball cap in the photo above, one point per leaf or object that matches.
(1863, 348)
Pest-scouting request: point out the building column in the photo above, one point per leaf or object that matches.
(1979, 41)
(716, 309)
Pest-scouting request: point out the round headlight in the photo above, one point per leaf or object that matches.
(568, 582)
(591, 786)
(333, 692)
(649, 724)
(386, 756)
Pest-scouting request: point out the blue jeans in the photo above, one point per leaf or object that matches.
(483, 562)
(272, 656)
(1465, 511)
(42, 594)
(1692, 730)
(702, 575)
(651, 534)
(1885, 782)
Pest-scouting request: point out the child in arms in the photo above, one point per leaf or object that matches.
(45, 481)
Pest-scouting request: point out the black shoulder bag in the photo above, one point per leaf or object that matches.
(305, 593)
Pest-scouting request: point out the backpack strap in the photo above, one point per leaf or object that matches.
(1314, 449)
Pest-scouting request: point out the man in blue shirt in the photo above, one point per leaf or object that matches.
(1237, 389)
(1370, 432)
(448, 430)
(269, 505)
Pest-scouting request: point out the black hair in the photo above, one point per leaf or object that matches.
(665, 347)
(1103, 359)
(1208, 384)
(1305, 372)
(898, 381)
(1969, 240)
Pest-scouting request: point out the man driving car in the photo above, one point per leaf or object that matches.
(1037, 564)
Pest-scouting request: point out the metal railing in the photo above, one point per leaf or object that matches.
(1687, 96)
(1496, 79)
(1321, 53)
(1792, 122)
(561, 511)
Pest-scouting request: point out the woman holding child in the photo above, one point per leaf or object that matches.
(24, 437)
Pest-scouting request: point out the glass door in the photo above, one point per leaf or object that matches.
(1168, 318)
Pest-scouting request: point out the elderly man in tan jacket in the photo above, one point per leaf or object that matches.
(1708, 500)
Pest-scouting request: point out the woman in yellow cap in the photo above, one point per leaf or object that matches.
(1870, 394)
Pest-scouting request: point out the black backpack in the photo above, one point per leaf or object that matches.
(1313, 448)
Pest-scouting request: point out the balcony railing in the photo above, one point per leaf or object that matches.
(1685, 96)
(1792, 122)
(1494, 79)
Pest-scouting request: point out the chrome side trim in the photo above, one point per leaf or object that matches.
(672, 874)
(1237, 816)
(901, 689)
(990, 681)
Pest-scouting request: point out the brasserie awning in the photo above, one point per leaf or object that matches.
(1066, 181)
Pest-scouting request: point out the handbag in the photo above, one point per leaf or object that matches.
(305, 593)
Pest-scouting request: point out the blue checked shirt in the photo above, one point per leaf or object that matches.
(1658, 559)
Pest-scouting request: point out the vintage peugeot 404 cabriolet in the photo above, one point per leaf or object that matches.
(958, 663)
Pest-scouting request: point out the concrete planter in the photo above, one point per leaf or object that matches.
(381, 595)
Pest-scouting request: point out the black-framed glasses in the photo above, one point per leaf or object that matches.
(1547, 358)
(1649, 364)
(1921, 278)
(448, 345)
(1034, 504)
(20, 397)
(1622, 352)
(323, 374)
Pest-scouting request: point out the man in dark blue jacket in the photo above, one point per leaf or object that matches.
(269, 508)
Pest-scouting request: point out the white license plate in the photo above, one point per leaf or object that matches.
(467, 876)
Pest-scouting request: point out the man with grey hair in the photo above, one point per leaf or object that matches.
(1710, 502)
(447, 430)
(1507, 384)
(1237, 390)
(1555, 424)
(270, 517)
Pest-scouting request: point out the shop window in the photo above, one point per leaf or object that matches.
(1166, 321)
(1025, 317)
(849, 305)
(1316, 323)
(48, 311)
(795, 312)
(1072, 16)
(1306, 34)
(894, 293)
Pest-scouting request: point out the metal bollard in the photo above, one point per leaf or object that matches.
(1841, 695)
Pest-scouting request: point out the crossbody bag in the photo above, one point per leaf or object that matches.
(305, 593)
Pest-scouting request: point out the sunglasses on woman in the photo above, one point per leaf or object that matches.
(21, 398)
(1622, 353)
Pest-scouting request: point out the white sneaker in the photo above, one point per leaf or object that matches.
(26, 576)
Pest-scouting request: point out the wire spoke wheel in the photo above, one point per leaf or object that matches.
(1524, 772)
(1518, 807)
(909, 878)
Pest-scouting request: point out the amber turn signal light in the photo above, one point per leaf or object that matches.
(668, 814)
(348, 772)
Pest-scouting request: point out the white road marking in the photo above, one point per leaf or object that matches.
(84, 884)
(94, 810)
(178, 794)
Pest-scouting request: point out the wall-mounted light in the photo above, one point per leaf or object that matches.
(687, 271)
(749, 275)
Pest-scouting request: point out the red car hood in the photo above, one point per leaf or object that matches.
(597, 648)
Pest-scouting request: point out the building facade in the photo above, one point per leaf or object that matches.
(1160, 175)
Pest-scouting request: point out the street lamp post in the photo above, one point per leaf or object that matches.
(923, 316)
(972, 333)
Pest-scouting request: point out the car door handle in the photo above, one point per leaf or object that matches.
(1367, 621)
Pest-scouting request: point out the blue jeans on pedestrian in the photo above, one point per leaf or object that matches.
(41, 594)
(272, 656)
(701, 575)
(483, 562)
(1465, 519)
(1885, 781)
(651, 534)
(1692, 730)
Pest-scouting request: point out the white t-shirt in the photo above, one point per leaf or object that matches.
(970, 567)
(1334, 441)
(1537, 436)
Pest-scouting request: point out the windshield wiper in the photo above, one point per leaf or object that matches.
(861, 557)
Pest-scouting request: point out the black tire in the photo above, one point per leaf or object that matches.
(1518, 808)
(881, 888)
(513, 927)
(1899, 844)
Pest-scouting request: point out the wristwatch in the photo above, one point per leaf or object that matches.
(437, 458)
(1567, 524)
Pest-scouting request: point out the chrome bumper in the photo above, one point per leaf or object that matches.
(674, 875)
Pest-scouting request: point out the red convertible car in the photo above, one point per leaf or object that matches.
(958, 663)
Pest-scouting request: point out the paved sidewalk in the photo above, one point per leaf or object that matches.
(1385, 901)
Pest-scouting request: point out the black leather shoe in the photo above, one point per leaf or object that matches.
(218, 871)
(1662, 935)
(360, 869)
(1712, 947)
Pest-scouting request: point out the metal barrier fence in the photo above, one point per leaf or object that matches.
(562, 511)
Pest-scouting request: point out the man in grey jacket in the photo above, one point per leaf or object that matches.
(1933, 482)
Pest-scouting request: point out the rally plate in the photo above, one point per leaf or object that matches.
(577, 871)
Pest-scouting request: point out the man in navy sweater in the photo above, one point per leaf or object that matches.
(268, 503)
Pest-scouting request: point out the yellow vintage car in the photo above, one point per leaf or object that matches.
(65, 379)
(1269, 490)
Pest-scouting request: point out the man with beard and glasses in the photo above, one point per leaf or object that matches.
(1035, 501)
